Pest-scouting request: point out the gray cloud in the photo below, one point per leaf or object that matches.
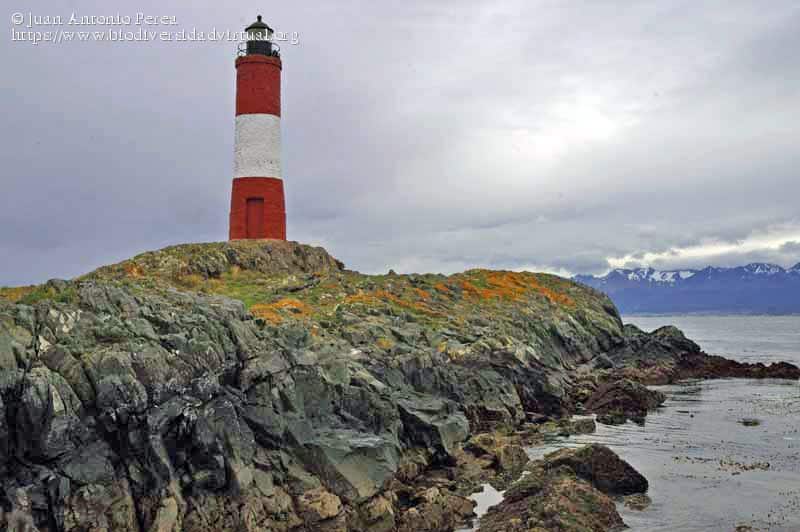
(419, 137)
(791, 248)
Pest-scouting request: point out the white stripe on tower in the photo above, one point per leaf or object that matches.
(257, 146)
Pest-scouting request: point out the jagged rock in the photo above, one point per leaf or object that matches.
(614, 402)
(507, 454)
(437, 511)
(107, 506)
(378, 514)
(317, 505)
(552, 499)
(638, 501)
(89, 464)
(568, 426)
(432, 422)
(353, 465)
(47, 420)
(567, 490)
(600, 466)
(663, 344)
(702, 366)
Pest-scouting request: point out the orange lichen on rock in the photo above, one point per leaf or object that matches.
(378, 296)
(293, 305)
(470, 290)
(132, 270)
(554, 297)
(441, 287)
(271, 311)
(511, 286)
(422, 293)
(266, 312)
(418, 306)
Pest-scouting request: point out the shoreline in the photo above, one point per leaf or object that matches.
(629, 507)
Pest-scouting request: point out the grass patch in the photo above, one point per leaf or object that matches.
(30, 295)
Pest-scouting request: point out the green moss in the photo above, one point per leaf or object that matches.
(67, 295)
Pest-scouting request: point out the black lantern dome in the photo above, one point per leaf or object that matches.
(259, 38)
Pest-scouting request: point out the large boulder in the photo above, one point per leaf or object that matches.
(600, 466)
(615, 402)
(552, 498)
(432, 422)
(48, 423)
(355, 466)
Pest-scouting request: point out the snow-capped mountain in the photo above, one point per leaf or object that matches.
(643, 275)
(755, 288)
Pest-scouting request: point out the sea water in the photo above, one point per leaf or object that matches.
(719, 454)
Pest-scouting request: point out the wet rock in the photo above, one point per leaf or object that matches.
(567, 490)
(637, 502)
(662, 345)
(583, 425)
(702, 366)
(552, 499)
(600, 466)
(616, 401)
(568, 426)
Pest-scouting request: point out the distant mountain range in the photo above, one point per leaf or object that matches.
(757, 288)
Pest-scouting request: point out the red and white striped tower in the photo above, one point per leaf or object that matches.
(257, 204)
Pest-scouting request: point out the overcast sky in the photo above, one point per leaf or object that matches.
(563, 135)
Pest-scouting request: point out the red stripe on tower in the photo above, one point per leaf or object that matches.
(257, 203)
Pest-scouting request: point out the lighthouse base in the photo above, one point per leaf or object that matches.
(257, 209)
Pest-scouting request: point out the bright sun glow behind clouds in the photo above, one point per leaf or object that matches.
(570, 123)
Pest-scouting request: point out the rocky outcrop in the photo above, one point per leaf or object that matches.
(570, 490)
(170, 410)
(209, 261)
(616, 401)
(702, 366)
(260, 385)
(601, 467)
(666, 355)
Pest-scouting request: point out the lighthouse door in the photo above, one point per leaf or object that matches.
(255, 218)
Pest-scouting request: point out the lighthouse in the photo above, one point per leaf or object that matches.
(257, 202)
